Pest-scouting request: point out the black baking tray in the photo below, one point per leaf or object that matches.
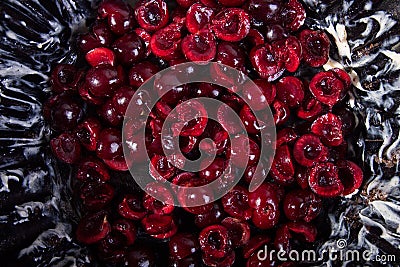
(37, 212)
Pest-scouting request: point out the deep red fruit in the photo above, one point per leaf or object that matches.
(309, 150)
(327, 88)
(131, 208)
(119, 15)
(282, 169)
(315, 46)
(329, 128)
(310, 108)
(185, 3)
(141, 256)
(109, 114)
(236, 203)
(198, 17)
(302, 205)
(249, 120)
(66, 148)
(190, 199)
(166, 42)
(129, 49)
(268, 60)
(231, 3)
(65, 77)
(231, 24)
(159, 226)
(210, 3)
(183, 245)
(214, 215)
(109, 145)
(102, 80)
(93, 227)
(152, 15)
(63, 111)
(146, 38)
(117, 164)
(293, 15)
(231, 54)
(265, 201)
(184, 114)
(242, 155)
(286, 136)
(239, 231)
(162, 205)
(324, 180)
(351, 176)
(161, 168)
(200, 46)
(259, 99)
(122, 98)
(307, 231)
(347, 118)
(290, 90)
(264, 12)
(99, 56)
(95, 196)
(141, 72)
(88, 133)
(301, 176)
(215, 241)
(255, 38)
(226, 261)
(92, 170)
(127, 229)
(213, 170)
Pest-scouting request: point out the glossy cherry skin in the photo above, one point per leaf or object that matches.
(66, 148)
(119, 15)
(102, 80)
(183, 245)
(110, 144)
(302, 205)
(215, 241)
(129, 49)
(141, 72)
(236, 203)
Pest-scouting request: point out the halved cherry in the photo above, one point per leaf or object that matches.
(290, 90)
(280, 111)
(231, 24)
(309, 150)
(96, 196)
(286, 136)
(166, 42)
(92, 170)
(293, 15)
(268, 61)
(239, 231)
(66, 148)
(152, 15)
(309, 109)
(351, 176)
(131, 208)
(200, 46)
(161, 168)
(315, 46)
(329, 128)
(324, 180)
(88, 133)
(236, 203)
(198, 17)
(282, 169)
(99, 56)
(127, 229)
(255, 243)
(162, 204)
(93, 227)
(327, 88)
(215, 241)
(159, 226)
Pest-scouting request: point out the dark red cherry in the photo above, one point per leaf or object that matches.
(242, 155)
(129, 49)
(268, 60)
(99, 36)
(324, 180)
(65, 77)
(293, 15)
(198, 17)
(231, 54)
(152, 15)
(88, 133)
(231, 24)
(185, 3)
(159, 226)
(267, 214)
(301, 176)
(99, 56)
(93, 227)
(275, 32)
(302, 205)
(119, 15)
(160, 205)
(64, 111)
(236, 203)
(286, 136)
(249, 120)
(264, 12)
(93, 170)
(141, 72)
(329, 128)
(254, 244)
(95, 196)
(109, 145)
(239, 231)
(309, 150)
(327, 88)
(183, 245)
(166, 42)
(282, 169)
(109, 114)
(280, 111)
(213, 216)
(351, 176)
(66, 148)
(310, 108)
(226, 261)
(347, 118)
(122, 98)
(161, 168)
(213, 169)
(131, 208)
(307, 231)
(259, 99)
(315, 46)
(200, 46)
(215, 241)
(290, 91)
(127, 229)
(103, 80)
